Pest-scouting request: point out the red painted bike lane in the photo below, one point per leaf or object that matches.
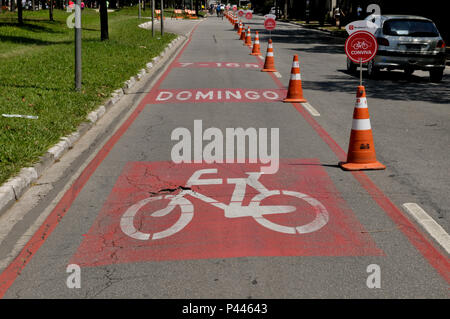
(340, 235)
(217, 212)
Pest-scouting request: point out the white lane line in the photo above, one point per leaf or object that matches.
(277, 74)
(310, 109)
(259, 56)
(429, 224)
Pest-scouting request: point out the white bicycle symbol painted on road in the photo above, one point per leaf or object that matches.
(234, 209)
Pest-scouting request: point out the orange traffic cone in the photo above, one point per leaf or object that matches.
(239, 31)
(256, 47)
(361, 150)
(236, 24)
(248, 38)
(269, 63)
(295, 91)
(242, 37)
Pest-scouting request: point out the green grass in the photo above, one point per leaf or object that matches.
(37, 76)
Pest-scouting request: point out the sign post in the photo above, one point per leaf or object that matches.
(162, 18)
(153, 18)
(139, 11)
(78, 45)
(361, 47)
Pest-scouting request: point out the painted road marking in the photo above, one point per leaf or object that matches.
(409, 229)
(429, 224)
(9, 275)
(221, 211)
(310, 109)
(217, 95)
(224, 65)
(277, 74)
(261, 57)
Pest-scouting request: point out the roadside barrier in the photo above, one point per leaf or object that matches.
(256, 47)
(242, 37)
(295, 91)
(361, 150)
(269, 63)
(177, 14)
(239, 31)
(248, 38)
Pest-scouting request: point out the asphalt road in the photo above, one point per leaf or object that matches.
(221, 255)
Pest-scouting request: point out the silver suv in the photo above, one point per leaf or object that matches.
(407, 43)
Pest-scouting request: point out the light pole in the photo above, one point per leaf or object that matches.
(153, 18)
(139, 4)
(78, 45)
(162, 18)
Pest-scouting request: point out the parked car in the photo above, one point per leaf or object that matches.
(407, 43)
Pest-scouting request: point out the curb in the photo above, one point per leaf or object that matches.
(13, 188)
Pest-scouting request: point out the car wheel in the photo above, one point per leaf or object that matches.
(436, 75)
(351, 67)
(372, 70)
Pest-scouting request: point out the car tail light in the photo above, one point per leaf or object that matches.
(383, 41)
(440, 44)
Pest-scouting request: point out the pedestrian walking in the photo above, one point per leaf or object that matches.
(358, 11)
(338, 14)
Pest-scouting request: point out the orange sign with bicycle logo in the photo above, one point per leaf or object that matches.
(165, 211)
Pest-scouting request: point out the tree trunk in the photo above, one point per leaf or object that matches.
(50, 10)
(103, 21)
(321, 11)
(19, 11)
(285, 13)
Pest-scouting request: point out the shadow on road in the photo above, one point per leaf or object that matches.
(388, 85)
(326, 48)
(302, 36)
(393, 85)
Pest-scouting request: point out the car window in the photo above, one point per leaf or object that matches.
(410, 27)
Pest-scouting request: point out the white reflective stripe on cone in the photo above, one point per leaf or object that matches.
(296, 76)
(362, 104)
(295, 64)
(361, 124)
(269, 53)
